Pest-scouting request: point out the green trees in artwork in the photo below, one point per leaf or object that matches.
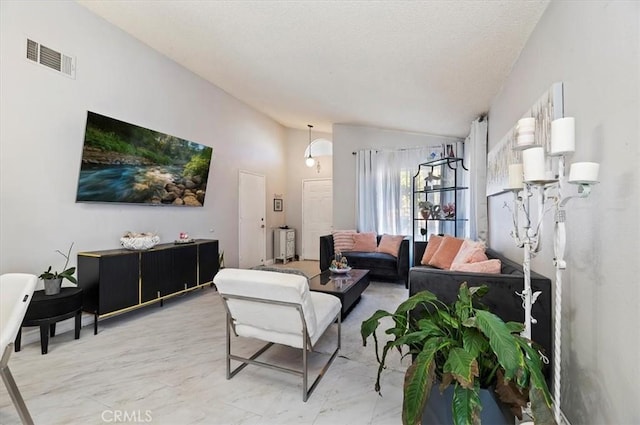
(199, 164)
(157, 148)
(108, 141)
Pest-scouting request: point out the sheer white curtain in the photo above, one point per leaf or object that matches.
(475, 158)
(384, 198)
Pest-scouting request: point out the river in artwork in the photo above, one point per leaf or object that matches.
(125, 183)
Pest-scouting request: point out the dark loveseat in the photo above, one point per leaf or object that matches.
(501, 298)
(379, 264)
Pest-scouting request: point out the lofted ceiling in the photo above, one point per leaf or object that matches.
(421, 66)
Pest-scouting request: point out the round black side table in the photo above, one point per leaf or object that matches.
(46, 310)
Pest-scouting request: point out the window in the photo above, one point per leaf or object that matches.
(384, 191)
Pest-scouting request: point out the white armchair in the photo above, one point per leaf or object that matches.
(16, 290)
(278, 308)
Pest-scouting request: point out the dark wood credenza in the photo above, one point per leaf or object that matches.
(119, 280)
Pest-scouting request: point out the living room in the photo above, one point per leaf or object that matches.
(592, 47)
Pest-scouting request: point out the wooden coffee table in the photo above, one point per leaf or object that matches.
(348, 287)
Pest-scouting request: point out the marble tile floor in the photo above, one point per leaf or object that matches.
(165, 365)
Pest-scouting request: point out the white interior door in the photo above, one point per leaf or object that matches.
(252, 243)
(317, 215)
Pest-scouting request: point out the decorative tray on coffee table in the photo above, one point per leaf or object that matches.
(340, 271)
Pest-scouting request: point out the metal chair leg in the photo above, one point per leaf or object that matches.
(12, 388)
(228, 344)
(305, 364)
(306, 393)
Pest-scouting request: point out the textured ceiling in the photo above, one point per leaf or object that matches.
(424, 66)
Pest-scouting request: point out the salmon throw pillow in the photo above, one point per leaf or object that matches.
(432, 247)
(470, 252)
(365, 242)
(446, 252)
(492, 266)
(390, 244)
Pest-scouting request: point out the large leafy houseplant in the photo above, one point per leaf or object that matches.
(466, 346)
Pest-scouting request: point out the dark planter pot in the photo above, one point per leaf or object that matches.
(52, 286)
(439, 408)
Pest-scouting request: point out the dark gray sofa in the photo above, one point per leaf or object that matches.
(380, 265)
(501, 298)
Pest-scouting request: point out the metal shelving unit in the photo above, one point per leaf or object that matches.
(436, 185)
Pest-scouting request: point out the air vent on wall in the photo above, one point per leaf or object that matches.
(51, 58)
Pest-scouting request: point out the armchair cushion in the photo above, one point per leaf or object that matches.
(327, 308)
(17, 291)
(269, 286)
(275, 323)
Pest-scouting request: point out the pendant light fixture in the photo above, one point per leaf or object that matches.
(309, 161)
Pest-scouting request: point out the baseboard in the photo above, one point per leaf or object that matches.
(269, 262)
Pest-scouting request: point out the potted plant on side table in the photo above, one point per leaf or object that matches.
(464, 347)
(53, 279)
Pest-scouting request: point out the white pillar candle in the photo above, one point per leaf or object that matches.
(563, 136)
(533, 164)
(526, 125)
(524, 139)
(584, 172)
(515, 176)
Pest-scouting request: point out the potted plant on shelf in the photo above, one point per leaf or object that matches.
(468, 350)
(53, 279)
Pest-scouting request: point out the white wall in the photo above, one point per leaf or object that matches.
(593, 47)
(351, 138)
(43, 113)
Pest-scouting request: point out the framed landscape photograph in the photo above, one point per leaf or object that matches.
(126, 163)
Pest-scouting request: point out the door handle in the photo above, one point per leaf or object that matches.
(262, 227)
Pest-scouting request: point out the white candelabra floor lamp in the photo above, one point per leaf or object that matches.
(536, 171)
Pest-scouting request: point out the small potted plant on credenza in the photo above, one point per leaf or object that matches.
(53, 280)
(470, 354)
